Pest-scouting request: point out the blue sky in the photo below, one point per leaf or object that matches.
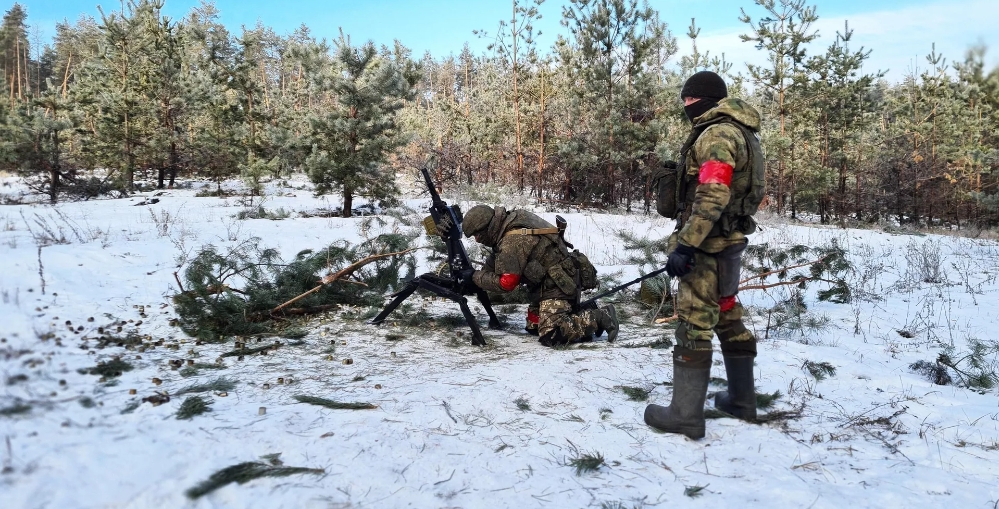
(900, 32)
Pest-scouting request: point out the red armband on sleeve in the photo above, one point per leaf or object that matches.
(715, 172)
(509, 281)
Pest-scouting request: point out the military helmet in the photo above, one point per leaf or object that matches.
(477, 219)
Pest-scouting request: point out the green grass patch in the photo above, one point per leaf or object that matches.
(587, 462)
(87, 402)
(394, 337)
(336, 405)
(193, 405)
(635, 393)
(107, 369)
(718, 381)
(129, 408)
(219, 384)
(243, 473)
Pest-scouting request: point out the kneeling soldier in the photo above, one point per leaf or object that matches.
(528, 250)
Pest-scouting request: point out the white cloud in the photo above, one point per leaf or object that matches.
(900, 38)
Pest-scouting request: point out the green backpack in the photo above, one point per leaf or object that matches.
(748, 187)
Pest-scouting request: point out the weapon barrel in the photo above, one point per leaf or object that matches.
(620, 287)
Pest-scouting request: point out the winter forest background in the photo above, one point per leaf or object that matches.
(143, 364)
(582, 122)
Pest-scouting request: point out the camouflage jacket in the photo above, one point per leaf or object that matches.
(529, 257)
(725, 143)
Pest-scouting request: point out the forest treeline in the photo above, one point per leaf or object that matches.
(584, 121)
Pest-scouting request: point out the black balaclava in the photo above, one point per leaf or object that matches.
(707, 86)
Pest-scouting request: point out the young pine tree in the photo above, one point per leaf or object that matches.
(357, 130)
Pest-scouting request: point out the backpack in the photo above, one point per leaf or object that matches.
(670, 185)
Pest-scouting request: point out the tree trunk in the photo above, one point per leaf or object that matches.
(348, 201)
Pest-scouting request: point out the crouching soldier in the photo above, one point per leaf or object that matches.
(529, 250)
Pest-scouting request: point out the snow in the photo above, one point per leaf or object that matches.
(447, 430)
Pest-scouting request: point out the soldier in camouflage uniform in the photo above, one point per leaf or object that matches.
(528, 250)
(724, 182)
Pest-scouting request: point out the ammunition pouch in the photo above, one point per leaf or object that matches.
(562, 275)
(728, 224)
(585, 270)
(534, 273)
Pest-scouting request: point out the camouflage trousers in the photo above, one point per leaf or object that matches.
(706, 304)
(557, 324)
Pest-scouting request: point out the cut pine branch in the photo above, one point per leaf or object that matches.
(343, 273)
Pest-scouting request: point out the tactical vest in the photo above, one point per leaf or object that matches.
(675, 188)
(551, 262)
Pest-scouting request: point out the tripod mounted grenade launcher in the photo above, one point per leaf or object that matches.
(446, 222)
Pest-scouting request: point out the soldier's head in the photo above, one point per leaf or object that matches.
(476, 220)
(701, 92)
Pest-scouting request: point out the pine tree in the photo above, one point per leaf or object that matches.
(357, 130)
(609, 59)
(783, 32)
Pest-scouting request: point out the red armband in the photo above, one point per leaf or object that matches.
(509, 281)
(726, 303)
(533, 317)
(715, 172)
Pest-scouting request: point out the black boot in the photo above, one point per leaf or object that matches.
(606, 318)
(685, 413)
(740, 398)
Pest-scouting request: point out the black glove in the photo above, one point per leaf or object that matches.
(468, 287)
(445, 226)
(680, 261)
(669, 165)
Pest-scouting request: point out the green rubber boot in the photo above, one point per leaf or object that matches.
(685, 413)
(740, 398)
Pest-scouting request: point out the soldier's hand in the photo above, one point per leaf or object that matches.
(670, 165)
(444, 228)
(680, 261)
(466, 274)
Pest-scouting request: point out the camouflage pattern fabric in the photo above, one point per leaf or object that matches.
(698, 304)
(559, 325)
(722, 142)
(527, 256)
(718, 258)
(534, 258)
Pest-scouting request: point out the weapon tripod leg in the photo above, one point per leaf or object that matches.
(400, 296)
(483, 297)
(472, 324)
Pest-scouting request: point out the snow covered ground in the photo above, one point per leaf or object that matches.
(462, 426)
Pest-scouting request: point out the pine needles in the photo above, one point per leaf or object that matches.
(108, 369)
(245, 472)
(335, 405)
(192, 406)
(219, 384)
(635, 393)
(587, 462)
(231, 292)
(819, 370)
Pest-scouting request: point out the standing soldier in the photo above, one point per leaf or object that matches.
(720, 186)
(529, 250)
